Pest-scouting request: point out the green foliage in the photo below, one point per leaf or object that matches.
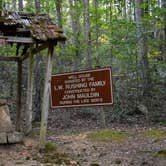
(108, 135)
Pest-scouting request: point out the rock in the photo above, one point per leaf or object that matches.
(15, 137)
(3, 138)
(5, 121)
(3, 102)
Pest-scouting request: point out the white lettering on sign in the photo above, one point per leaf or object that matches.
(75, 86)
(59, 87)
(88, 95)
(97, 83)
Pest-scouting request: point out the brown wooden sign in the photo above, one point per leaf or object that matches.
(85, 88)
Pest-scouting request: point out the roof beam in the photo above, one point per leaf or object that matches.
(15, 39)
(9, 58)
(35, 50)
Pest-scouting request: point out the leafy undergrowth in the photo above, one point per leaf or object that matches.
(51, 155)
(156, 134)
(108, 135)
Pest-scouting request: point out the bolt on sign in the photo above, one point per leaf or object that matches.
(85, 88)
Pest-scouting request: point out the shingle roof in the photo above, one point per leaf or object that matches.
(39, 27)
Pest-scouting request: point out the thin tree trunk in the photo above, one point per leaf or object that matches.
(163, 5)
(58, 5)
(37, 6)
(1, 5)
(60, 61)
(20, 5)
(14, 5)
(75, 30)
(87, 34)
(99, 108)
(142, 48)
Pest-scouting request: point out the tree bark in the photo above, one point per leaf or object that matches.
(37, 6)
(14, 5)
(75, 31)
(163, 5)
(142, 48)
(87, 34)
(58, 5)
(20, 5)
(1, 5)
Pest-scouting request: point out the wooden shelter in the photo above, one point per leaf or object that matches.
(31, 33)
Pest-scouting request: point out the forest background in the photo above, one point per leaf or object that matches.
(128, 35)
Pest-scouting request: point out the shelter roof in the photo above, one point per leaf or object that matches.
(21, 27)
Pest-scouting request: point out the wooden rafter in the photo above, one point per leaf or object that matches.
(9, 58)
(35, 51)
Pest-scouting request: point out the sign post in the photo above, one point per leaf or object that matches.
(85, 88)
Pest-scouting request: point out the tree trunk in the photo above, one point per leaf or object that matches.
(75, 31)
(142, 49)
(58, 5)
(87, 34)
(20, 5)
(1, 5)
(163, 5)
(99, 108)
(14, 5)
(37, 6)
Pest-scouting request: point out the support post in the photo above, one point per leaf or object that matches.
(46, 97)
(28, 113)
(19, 92)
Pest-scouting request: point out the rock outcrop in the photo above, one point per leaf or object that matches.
(7, 130)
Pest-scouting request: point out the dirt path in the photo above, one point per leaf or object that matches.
(136, 150)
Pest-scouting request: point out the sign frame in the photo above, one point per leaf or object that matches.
(88, 104)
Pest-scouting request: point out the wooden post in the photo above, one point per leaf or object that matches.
(46, 96)
(19, 90)
(28, 114)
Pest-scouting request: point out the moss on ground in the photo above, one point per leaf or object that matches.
(94, 164)
(51, 155)
(161, 154)
(50, 147)
(156, 134)
(108, 135)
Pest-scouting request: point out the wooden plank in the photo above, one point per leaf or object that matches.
(35, 50)
(29, 95)
(19, 93)
(45, 104)
(9, 58)
(15, 39)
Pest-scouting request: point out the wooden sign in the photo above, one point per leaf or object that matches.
(85, 88)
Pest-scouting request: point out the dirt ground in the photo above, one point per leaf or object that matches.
(136, 150)
(75, 148)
